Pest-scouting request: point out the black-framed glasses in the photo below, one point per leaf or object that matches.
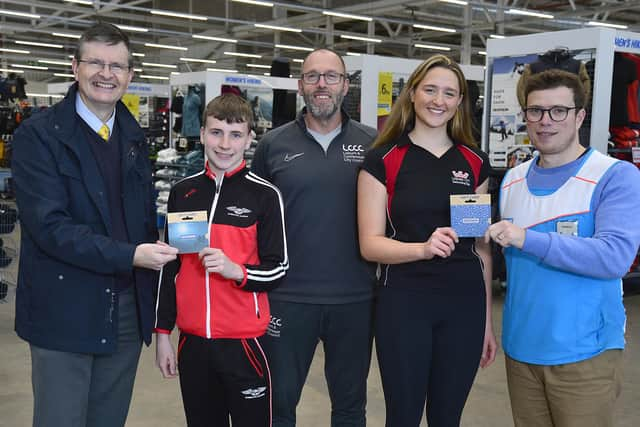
(96, 66)
(330, 78)
(557, 113)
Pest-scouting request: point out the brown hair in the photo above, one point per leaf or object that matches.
(552, 79)
(403, 115)
(104, 33)
(230, 108)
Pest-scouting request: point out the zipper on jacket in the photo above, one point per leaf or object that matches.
(214, 204)
(255, 301)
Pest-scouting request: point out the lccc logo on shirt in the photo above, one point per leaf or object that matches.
(353, 153)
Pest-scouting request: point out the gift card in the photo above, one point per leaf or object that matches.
(470, 214)
(188, 231)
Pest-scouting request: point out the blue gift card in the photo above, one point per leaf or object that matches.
(188, 231)
(470, 214)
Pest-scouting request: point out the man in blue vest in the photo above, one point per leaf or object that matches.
(570, 228)
(88, 256)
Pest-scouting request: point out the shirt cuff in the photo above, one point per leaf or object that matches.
(244, 277)
(536, 243)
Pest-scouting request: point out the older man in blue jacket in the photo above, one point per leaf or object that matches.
(89, 254)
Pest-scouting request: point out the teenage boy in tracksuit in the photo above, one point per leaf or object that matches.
(217, 297)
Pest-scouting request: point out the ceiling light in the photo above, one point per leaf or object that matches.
(26, 52)
(529, 13)
(85, 2)
(608, 25)
(51, 61)
(347, 15)
(222, 70)
(153, 64)
(435, 28)
(259, 66)
(364, 39)
(56, 46)
(215, 39)
(178, 15)
(431, 46)
(138, 54)
(45, 95)
(245, 55)
(132, 28)
(145, 76)
(22, 14)
(67, 35)
(255, 2)
(137, 70)
(71, 56)
(165, 46)
(298, 60)
(64, 75)
(292, 47)
(497, 36)
(482, 52)
(278, 28)
(7, 70)
(204, 61)
(353, 54)
(31, 67)
(175, 73)
(458, 2)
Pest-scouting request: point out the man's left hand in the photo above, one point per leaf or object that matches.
(216, 261)
(506, 234)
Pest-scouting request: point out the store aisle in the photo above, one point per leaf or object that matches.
(156, 402)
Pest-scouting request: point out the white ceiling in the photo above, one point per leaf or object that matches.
(392, 24)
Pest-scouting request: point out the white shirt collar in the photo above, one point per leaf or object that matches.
(91, 119)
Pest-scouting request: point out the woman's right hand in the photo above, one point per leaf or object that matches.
(442, 243)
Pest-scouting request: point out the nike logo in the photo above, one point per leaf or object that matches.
(288, 157)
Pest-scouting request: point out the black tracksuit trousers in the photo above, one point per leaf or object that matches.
(222, 378)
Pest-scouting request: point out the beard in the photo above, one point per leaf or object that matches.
(326, 110)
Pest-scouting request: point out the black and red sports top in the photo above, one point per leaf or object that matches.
(418, 187)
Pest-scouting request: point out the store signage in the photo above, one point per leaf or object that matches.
(627, 42)
(241, 80)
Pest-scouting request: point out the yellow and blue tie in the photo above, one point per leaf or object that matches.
(104, 132)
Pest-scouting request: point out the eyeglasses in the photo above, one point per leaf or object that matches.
(330, 78)
(96, 66)
(556, 113)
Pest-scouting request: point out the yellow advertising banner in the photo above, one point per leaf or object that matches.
(385, 82)
(133, 104)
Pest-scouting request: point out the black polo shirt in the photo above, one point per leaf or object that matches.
(418, 188)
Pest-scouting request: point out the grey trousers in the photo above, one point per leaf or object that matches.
(87, 390)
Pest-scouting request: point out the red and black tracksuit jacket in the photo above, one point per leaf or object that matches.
(246, 221)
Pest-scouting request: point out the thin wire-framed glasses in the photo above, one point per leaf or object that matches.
(557, 113)
(96, 66)
(330, 78)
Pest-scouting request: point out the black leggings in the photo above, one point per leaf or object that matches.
(429, 346)
(224, 377)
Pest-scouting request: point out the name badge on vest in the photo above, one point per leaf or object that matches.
(569, 228)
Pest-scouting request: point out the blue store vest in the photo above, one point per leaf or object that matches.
(552, 316)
